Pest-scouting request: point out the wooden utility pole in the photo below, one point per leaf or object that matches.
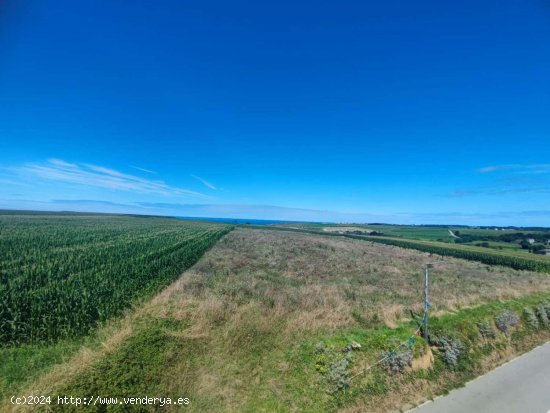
(427, 300)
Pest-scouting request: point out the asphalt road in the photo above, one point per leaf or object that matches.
(522, 385)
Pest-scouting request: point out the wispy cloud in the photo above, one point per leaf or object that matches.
(509, 179)
(533, 168)
(204, 182)
(96, 176)
(12, 182)
(143, 169)
(500, 191)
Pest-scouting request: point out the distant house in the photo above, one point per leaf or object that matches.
(531, 240)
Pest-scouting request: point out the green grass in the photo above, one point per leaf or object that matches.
(483, 232)
(137, 369)
(27, 362)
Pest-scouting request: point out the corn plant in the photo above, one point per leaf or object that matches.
(61, 275)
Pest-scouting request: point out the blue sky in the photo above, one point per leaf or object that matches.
(406, 112)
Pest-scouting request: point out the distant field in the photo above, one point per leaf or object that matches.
(420, 232)
(501, 246)
(494, 233)
(421, 238)
(60, 275)
(438, 233)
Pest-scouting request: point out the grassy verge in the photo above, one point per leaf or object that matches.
(164, 357)
(25, 363)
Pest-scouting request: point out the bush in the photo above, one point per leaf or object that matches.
(320, 348)
(506, 319)
(543, 315)
(397, 361)
(334, 366)
(338, 375)
(485, 329)
(531, 318)
(452, 349)
(546, 306)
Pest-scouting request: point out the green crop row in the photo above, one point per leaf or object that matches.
(62, 275)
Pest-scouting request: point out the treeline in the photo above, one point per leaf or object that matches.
(516, 237)
(60, 276)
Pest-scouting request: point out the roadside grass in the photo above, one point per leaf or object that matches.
(256, 371)
(25, 363)
(242, 330)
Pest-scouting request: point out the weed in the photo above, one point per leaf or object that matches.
(531, 318)
(337, 375)
(397, 361)
(320, 348)
(451, 349)
(542, 315)
(485, 329)
(506, 319)
(546, 305)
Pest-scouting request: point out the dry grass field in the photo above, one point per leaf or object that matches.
(325, 282)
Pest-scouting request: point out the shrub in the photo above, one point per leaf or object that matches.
(397, 361)
(531, 318)
(485, 329)
(546, 306)
(542, 315)
(334, 366)
(452, 349)
(320, 348)
(506, 319)
(338, 374)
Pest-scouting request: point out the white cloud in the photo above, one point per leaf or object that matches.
(143, 169)
(96, 176)
(204, 182)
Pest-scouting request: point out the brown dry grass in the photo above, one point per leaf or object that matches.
(275, 286)
(317, 282)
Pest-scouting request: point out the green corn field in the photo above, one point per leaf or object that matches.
(61, 275)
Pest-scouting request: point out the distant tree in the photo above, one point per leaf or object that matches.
(536, 248)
